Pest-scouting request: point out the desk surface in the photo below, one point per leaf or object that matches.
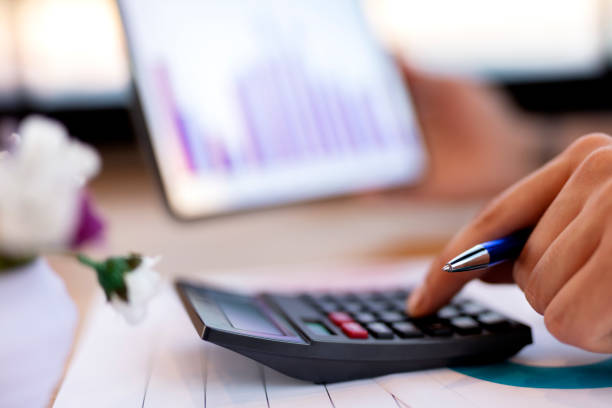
(368, 228)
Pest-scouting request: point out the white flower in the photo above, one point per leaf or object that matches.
(142, 283)
(41, 180)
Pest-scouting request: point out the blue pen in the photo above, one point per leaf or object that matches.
(489, 253)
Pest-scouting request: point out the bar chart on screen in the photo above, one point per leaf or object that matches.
(255, 103)
(286, 116)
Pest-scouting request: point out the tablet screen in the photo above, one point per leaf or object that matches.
(256, 103)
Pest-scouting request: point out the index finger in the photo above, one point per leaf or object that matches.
(518, 207)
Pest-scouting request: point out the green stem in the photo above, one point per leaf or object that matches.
(85, 260)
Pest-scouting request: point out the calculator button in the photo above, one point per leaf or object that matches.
(372, 296)
(352, 307)
(365, 317)
(327, 307)
(400, 294)
(347, 297)
(378, 306)
(448, 312)
(492, 320)
(380, 330)
(399, 304)
(354, 330)
(437, 328)
(307, 298)
(473, 308)
(406, 330)
(318, 328)
(339, 318)
(465, 325)
(391, 317)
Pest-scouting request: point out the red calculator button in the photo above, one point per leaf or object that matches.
(338, 318)
(354, 330)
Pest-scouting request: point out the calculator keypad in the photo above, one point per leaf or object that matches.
(382, 315)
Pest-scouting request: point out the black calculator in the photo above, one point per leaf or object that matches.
(329, 337)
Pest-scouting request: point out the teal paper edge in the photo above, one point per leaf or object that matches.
(596, 375)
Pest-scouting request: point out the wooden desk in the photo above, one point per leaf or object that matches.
(341, 230)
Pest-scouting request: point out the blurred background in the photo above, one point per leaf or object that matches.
(549, 60)
(67, 58)
(492, 81)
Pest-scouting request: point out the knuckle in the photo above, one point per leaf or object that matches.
(534, 292)
(595, 342)
(565, 328)
(532, 299)
(605, 195)
(586, 341)
(524, 264)
(587, 143)
(520, 272)
(598, 162)
(606, 190)
(491, 213)
(485, 218)
(556, 323)
(600, 203)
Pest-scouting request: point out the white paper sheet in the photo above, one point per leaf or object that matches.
(287, 392)
(177, 372)
(360, 394)
(164, 363)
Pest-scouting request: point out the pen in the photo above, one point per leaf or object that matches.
(489, 253)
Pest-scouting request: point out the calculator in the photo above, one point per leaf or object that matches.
(330, 337)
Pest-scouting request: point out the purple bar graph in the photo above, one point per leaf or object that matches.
(286, 116)
(253, 150)
(165, 88)
(370, 120)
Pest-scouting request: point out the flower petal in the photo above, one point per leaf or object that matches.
(89, 226)
(132, 314)
(41, 182)
(142, 284)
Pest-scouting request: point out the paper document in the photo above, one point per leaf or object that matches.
(164, 363)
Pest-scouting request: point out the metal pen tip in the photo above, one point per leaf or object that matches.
(447, 268)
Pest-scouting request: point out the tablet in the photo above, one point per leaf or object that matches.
(250, 104)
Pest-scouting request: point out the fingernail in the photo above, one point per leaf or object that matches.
(416, 301)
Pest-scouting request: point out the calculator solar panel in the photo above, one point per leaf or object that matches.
(329, 337)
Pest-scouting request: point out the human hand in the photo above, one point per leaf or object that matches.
(478, 142)
(564, 269)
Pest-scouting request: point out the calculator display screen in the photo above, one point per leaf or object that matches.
(245, 314)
